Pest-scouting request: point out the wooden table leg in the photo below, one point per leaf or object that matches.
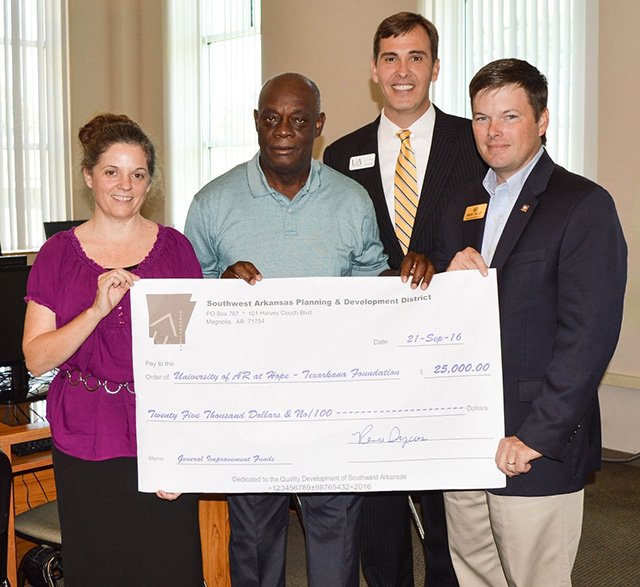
(214, 535)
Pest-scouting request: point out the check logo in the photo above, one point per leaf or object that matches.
(169, 316)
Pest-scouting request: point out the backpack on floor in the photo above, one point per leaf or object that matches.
(41, 567)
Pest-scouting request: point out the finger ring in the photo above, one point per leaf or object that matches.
(510, 463)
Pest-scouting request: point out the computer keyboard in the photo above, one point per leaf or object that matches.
(23, 449)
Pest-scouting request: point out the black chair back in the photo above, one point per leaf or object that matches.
(5, 501)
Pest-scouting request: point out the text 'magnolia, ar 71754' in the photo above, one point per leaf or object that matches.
(317, 384)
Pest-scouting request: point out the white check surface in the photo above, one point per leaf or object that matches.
(318, 384)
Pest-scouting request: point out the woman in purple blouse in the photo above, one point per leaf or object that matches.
(78, 319)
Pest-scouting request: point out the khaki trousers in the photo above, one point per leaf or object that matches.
(506, 541)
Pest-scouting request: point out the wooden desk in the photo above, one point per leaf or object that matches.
(214, 518)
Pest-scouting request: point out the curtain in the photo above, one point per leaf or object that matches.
(550, 34)
(34, 142)
(214, 56)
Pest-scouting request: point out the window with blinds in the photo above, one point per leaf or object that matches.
(34, 151)
(550, 34)
(231, 72)
(215, 74)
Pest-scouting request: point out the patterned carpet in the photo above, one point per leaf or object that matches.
(609, 553)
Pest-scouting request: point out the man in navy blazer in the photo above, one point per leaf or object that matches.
(404, 63)
(561, 259)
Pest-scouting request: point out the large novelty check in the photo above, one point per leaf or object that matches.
(317, 385)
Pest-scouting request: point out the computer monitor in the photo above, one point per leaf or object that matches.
(13, 261)
(14, 384)
(50, 228)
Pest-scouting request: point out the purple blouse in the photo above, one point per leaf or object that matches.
(97, 425)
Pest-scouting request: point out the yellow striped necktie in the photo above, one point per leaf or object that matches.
(405, 191)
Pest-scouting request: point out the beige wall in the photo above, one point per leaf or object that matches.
(116, 63)
(618, 164)
(329, 41)
(619, 154)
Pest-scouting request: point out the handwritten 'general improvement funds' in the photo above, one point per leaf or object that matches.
(317, 385)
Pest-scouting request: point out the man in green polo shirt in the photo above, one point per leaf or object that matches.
(283, 214)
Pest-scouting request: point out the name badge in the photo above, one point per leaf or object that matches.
(362, 161)
(475, 212)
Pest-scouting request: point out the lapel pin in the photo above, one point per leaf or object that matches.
(525, 208)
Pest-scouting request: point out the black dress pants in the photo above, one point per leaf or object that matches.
(386, 545)
(258, 542)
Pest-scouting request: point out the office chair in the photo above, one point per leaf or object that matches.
(42, 565)
(5, 502)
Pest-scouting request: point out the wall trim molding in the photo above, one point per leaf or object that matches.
(620, 380)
